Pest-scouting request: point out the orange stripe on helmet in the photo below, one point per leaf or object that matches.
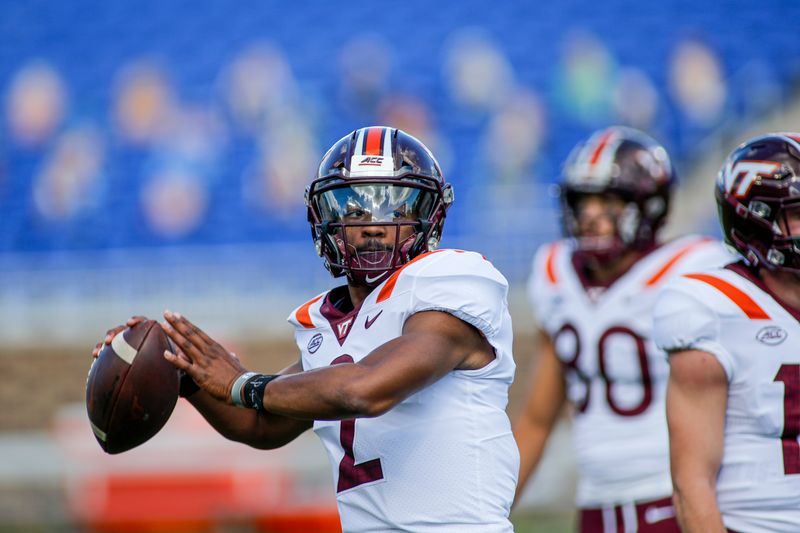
(601, 146)
(303, 314)
(793, 136)
(550, 264)
(388, 287)
(372, 144)
(736, 295)
(658, 276)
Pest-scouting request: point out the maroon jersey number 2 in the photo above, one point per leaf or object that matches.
(352, 474)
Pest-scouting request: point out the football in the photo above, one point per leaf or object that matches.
(131, 389)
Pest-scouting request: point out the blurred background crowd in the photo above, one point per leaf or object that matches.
(154, 154)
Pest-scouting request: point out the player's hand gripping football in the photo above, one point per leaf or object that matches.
(210, 365)
(110, 334)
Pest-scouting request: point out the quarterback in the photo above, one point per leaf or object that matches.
(733, 399)
(403, 372)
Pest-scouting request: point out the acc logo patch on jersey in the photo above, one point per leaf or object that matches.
(315, 343)
(771, 335)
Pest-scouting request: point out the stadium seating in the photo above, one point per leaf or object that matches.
(91, 46)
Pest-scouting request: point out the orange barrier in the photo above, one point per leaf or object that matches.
(190, 480)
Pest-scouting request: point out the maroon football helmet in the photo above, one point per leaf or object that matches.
(383, 180)
(625, 162)
(756, 186)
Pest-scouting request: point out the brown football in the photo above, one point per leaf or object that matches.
(131, 389)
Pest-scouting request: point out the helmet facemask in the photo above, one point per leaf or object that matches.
(368, 229)
(777, 247)
(624, 215)
(785, 251)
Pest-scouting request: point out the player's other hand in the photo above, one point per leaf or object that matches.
(207, 362)
(110, 334)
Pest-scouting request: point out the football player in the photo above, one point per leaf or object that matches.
(403, 371)
(733, 399)
(593, 296)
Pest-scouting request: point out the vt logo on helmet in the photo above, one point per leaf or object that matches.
(378, 201)
(758, 192)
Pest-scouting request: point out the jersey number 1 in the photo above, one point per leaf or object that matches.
(790, 376)
(352, 474)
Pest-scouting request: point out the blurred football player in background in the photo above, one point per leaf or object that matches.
(733, 399)
(403, 372)
(593, 296)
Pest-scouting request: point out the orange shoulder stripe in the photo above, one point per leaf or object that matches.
(550, 264)
(303, 315)
(388, 287)
(674, 259)
(736, 295)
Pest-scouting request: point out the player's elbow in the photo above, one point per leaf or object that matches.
(360, 400)
(377, 407)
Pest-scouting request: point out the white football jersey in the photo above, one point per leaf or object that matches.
(444, 459)
(616, 377)
(729, 314)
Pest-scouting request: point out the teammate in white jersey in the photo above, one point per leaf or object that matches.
(404, 371)
(733, 399)
(593, 297)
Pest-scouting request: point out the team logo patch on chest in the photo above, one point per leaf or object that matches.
(342, 328)
(771, 335)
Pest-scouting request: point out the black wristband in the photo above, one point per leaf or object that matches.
(187, 385)
(253, 390)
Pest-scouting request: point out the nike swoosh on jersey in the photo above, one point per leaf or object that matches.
(368, 323)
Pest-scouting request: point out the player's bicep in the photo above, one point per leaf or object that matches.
(433, 343)
(696, 401)
(454, 343)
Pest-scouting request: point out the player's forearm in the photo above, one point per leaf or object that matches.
(369, 387)
(333, 393)
(696, 507)
(257, 429)
(531, 439)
